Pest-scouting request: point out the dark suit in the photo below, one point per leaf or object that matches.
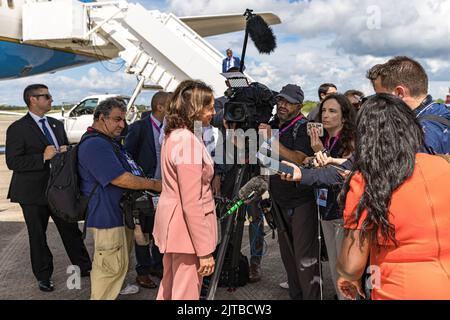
(140, 143)
(25, 146)
(236, 63)
(145, 114)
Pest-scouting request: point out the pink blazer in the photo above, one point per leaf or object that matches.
(185, 219)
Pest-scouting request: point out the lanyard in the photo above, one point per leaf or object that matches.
(328, 141)
(291, 124)
(155, 125)
(135, 169)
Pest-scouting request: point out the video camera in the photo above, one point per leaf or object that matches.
(250, 106)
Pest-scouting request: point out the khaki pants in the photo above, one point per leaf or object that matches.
(110, 265)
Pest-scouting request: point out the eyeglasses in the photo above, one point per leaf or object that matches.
(46, 95)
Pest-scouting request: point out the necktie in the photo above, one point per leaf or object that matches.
(47, 132)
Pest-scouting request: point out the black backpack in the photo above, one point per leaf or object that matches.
(63, 190)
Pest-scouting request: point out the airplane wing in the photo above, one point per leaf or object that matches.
(207, 26)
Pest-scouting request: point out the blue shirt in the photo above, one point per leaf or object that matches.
(99, 163)
(437, 135)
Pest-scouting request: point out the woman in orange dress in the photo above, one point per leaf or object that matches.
(397, 209)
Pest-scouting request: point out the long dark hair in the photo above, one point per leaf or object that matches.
(348, 116)
(388, 136)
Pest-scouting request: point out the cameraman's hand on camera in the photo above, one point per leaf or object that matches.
(229, 125)
(207, 265)
(316, 143)
(297, 173)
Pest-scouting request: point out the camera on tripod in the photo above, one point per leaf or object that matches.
(250, 106)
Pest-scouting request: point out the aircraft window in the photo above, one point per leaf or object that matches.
(11, 4)
(86, 107)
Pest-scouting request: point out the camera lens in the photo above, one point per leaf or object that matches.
(238, 113)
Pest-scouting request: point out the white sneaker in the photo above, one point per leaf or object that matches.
(284, 285)
(129, 289)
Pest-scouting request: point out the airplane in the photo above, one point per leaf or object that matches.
(19, 59)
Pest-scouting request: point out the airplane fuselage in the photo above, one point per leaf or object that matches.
(19, 60)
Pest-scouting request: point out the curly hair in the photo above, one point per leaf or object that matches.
(348, 117)
(388, 136)
(186, 105)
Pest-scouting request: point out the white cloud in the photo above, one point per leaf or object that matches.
(327, 41)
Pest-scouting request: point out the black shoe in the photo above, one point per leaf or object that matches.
(46, 285)
(156, 273)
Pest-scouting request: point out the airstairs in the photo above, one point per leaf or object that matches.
(160, 49)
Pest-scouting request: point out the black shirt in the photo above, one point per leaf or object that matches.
(285, 193)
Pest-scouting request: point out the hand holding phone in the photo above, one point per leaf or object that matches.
(318, 126)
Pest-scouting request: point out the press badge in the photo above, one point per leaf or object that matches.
(155, 200)
(322, 196)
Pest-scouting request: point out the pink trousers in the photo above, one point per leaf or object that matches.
(181, 280)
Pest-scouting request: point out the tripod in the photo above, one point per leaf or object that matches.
(233, 231)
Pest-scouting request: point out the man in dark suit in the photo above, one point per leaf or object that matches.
(31, 142)
(230, 62)
(142, 142)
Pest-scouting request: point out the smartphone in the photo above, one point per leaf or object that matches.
(316, 125)
(338, 168)
(274, 165)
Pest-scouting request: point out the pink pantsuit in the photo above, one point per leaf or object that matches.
(185, 224)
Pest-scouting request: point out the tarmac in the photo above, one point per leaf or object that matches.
(18, 283)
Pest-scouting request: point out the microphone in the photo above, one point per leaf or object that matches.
(261, 34)
(254, 188)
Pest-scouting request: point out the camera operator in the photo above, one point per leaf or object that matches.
(105, 168)
(297, 208)
(223, 185)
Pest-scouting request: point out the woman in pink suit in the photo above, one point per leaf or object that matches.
(185, 228)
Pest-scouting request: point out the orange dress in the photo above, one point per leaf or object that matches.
(419, 267)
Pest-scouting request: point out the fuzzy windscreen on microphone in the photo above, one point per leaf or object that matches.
(261, 34)
(257, 185)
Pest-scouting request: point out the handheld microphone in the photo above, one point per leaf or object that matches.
(252, 189)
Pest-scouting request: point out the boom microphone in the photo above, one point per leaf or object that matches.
(252, 189)
(261, 34)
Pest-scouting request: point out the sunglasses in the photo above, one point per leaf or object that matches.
(47, 96)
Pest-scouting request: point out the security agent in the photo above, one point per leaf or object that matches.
(297, 208)
(105, 167)
(31, 142)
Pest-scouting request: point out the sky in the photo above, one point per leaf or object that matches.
(318, 41)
